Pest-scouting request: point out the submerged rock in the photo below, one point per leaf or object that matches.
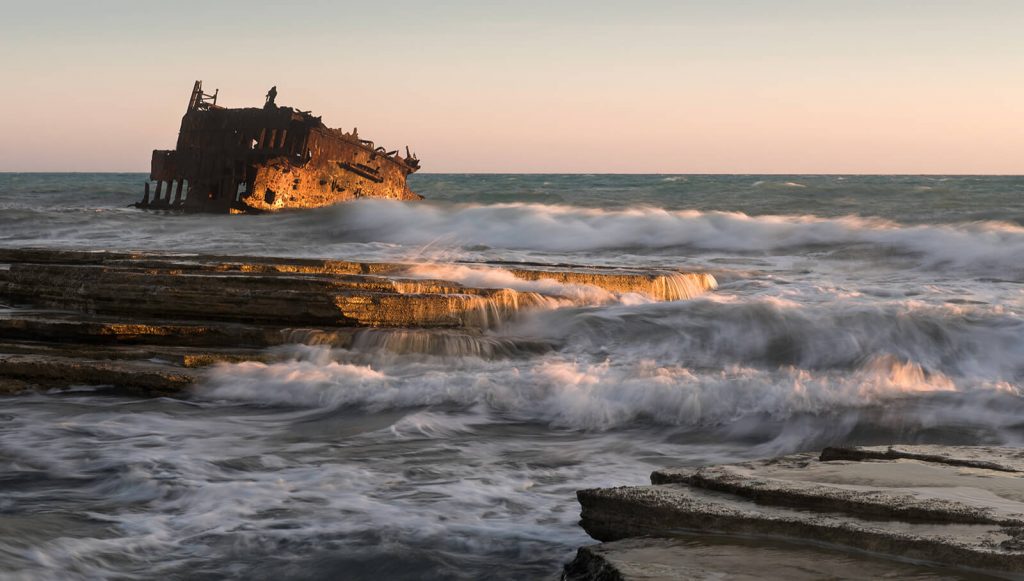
(959, 507)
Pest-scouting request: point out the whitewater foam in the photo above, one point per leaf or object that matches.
(483, 277)
(576, 394)
(554, 227)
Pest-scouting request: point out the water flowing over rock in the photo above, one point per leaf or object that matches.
(156, 314)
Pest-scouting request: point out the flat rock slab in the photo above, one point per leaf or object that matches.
(280, 291)
(966, 484)
(20, 372)
(712, 557)
(955, 506)
(70, 317)
(64, 327)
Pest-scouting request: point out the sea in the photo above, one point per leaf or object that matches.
(850, 310)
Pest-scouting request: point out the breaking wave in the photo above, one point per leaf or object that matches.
(571, 229)
(692, 363)
(587, 395)
(974, 341)
(440, 231)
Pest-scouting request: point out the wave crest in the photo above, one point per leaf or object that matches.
(587, 395)
(560, 228)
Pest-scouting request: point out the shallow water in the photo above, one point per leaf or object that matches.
(849, 310)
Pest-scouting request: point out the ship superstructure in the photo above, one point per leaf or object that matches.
(269, 158)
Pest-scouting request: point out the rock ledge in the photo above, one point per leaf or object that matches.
(959, 508)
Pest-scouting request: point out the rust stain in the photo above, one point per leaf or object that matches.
(252, 160)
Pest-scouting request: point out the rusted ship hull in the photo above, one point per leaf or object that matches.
(268, 159)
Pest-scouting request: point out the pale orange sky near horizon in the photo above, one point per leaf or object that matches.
(733, 86)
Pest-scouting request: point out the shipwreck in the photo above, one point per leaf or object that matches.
(263, 159)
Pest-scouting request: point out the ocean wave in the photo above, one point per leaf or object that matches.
(442, 231)
(971, 341)
(688, 363)
(995, 245)
(580, 394)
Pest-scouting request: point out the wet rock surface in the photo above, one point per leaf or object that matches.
(717, 557)
(148, 323)
(959, 508)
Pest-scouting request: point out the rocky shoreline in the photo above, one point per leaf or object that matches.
(148, 323)
(959, 507)
(151, 324)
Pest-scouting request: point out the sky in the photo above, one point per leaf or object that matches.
(682, 86)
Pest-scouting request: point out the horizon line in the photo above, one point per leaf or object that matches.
(589, 173)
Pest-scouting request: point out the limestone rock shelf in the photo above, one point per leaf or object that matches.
(958, 508)
(720, 558)
(73, 314)
(292, 292)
